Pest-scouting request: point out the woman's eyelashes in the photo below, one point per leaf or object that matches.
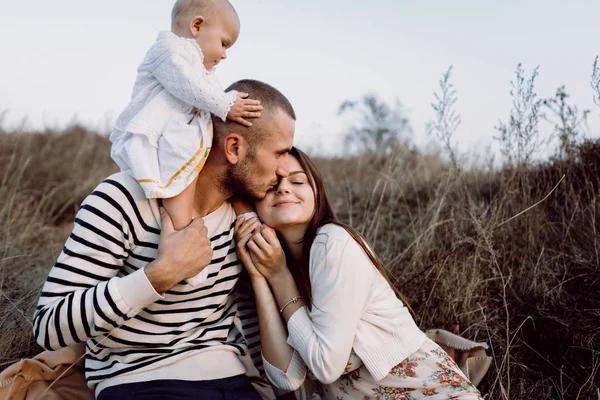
(294, 182)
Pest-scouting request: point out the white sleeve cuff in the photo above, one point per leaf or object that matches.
(289, 380)
(230, 98)
(247, 215)
(136, 291)
(299, 329)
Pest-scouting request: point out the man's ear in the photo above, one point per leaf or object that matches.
(235, 147)
(197, 24)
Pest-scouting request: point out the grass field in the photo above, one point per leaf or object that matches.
(507, 255)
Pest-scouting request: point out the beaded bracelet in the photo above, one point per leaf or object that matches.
(293, 300)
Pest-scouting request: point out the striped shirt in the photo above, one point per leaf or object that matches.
(98, 292)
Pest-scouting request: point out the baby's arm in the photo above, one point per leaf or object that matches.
(188, 82)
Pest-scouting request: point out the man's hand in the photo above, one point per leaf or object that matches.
(244, 108)
(181, 254)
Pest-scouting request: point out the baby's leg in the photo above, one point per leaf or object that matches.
(180, 207)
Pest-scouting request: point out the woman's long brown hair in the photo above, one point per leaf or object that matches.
(324, 215)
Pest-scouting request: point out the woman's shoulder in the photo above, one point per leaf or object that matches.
(331, 232)
(334, 248)
(334, 238)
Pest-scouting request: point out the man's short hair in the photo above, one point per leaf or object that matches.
(272, 101)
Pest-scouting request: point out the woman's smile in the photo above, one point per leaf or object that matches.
(286, 203)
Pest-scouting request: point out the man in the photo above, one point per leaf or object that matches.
(120, 282)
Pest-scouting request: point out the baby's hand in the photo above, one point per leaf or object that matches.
(244, 108)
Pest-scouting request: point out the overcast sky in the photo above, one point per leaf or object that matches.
(65, 59)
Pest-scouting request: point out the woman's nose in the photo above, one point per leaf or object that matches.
(283, 188)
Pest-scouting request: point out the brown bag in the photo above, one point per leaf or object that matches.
(470, 356)
(51, 375)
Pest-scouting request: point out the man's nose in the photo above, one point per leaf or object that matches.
(282, 167)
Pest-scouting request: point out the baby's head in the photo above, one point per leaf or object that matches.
(214, 25)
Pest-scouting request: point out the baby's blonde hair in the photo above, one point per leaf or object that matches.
(185, 9)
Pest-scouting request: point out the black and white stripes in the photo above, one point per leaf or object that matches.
(97, 290)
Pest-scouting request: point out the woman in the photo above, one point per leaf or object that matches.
(345, 323)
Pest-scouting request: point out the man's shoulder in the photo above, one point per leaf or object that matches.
(121, 184)
(121, 194)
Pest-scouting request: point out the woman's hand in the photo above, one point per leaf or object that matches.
(266, 253)
(243, 231)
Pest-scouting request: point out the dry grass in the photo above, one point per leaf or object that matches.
(529, 286)
(462, 250)
(44, 177)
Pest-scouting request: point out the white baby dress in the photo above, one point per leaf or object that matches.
(164, 135)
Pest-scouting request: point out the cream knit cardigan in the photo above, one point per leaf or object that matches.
(353, 308)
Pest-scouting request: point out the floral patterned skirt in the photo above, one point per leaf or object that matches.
(429, 373)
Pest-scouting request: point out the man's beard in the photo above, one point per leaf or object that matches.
(238, 181)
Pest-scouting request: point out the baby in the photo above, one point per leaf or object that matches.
(164, 135)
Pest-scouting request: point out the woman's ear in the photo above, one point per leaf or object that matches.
(197, 24)
(234, 148)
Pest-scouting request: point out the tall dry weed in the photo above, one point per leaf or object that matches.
(519, 137)
(595, 81)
